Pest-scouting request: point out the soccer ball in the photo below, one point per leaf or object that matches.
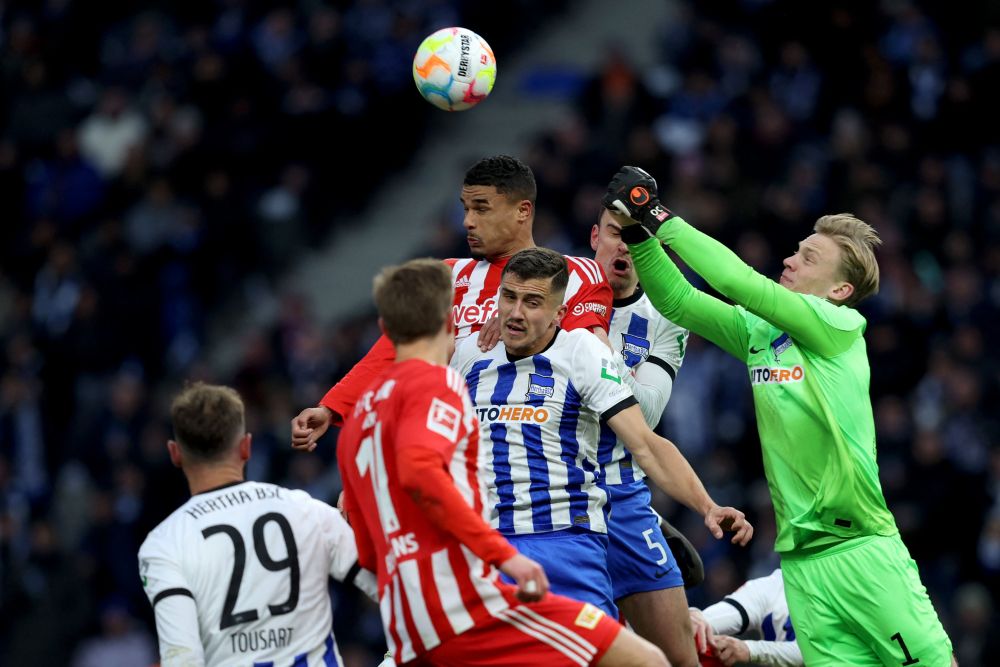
(454, 69)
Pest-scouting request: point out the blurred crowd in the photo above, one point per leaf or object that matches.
(164, 162)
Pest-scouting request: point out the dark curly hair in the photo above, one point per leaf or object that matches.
(507, 174)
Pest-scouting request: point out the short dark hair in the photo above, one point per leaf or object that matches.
(414, 299)
(539, 263)
(208, 420)
(507, 174)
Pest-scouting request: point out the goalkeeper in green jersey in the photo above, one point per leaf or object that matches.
(852, 588)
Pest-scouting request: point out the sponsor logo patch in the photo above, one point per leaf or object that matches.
(517, 413)
(443, 419)
(635, 350)
(764, 375)
(540, 385)
(780, 344)
(590, 307)
(639, 195)
(609, 374)
(589, 617)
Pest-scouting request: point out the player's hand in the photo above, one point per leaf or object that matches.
(532, 584)
(633, 193)
(703, 632)
(309, 426)
(724, 519)
(489, 335)
(731, 650)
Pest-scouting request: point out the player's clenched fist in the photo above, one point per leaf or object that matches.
(532, 584)
(633, 192)
(309, 426)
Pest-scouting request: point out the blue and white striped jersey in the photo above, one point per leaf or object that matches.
(539, 419)
(650, 350)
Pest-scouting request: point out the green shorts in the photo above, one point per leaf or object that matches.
(862, 603)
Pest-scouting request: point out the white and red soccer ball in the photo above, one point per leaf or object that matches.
(454, 69)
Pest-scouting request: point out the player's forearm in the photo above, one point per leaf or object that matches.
(423, 476)
(340, 399)
(677, 300)
(736, 280)
(669, 470)
(776, 654)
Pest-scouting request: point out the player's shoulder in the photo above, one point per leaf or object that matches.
(581, 342)
(417, 375)
(169, 533)
(840, 317)
(467, 351)
(586, 268)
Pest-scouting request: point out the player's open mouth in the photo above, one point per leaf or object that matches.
(620, 266)
(514, 329)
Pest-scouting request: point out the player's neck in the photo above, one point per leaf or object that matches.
(206, 478)
(432, 350)
(516, 247)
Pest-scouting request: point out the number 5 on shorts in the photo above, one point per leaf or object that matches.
(655, 546)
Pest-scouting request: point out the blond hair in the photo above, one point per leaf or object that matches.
(208, 420)
(414, 299)
(857, 241)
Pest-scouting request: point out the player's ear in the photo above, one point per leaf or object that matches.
(175, 453)
(841, 292)
(561, 313)
(244, 447)
(525, 210)
(595, 233)
(381, 327)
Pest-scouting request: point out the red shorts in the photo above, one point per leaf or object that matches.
(556, 632)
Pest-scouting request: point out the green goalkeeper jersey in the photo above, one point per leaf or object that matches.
(809, 370)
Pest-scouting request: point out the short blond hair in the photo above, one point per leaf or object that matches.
(857, 241)
(208, 420)
(414, 299)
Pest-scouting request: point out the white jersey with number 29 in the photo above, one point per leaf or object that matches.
(238, 576)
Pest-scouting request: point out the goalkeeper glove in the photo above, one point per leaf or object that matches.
(632, 192)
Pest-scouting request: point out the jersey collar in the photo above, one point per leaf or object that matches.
(517, 357)
(629, 300)
(221, 486)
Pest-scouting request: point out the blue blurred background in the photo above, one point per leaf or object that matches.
(202, 190)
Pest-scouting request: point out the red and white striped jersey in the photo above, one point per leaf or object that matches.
(431, 586)
(477, 283)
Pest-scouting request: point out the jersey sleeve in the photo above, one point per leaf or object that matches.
(461, 359)
(591, 305)
(828, 331)
(668, 346)
(651, 384)
(173, 604)
(598, 378)
(345, 565)
(759, 597)
(677, 300)
(342, 397)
